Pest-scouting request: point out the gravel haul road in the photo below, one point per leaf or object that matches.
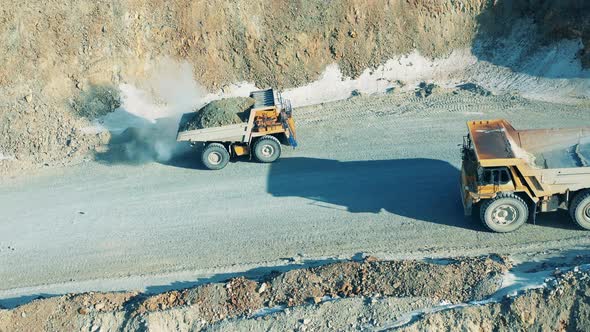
(375, 175)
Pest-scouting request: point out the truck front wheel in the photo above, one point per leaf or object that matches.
(505, 213)
(267, 149)
(215, 156)
(580, 210)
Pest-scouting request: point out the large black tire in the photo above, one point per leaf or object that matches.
(580, 210)
(267, 149)
(505, 213)
(215, 156)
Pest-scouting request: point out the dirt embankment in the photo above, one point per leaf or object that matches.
(60, 313)
(393, 295)
(554, 20)
(62, 63)
(457, 280)
(563, 306)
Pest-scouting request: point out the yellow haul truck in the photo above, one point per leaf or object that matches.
(270, 123)
(511, 175)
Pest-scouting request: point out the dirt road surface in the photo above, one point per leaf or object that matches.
(373, 175)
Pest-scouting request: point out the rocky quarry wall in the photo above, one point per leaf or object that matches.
(63, 63)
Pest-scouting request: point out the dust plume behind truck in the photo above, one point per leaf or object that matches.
(510, 175)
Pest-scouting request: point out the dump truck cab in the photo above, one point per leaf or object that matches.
(511, 175)
(485, 172)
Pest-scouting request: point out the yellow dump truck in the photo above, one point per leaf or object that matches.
(269, 125)
(510, 175)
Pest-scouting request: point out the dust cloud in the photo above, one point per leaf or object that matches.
(144, 127)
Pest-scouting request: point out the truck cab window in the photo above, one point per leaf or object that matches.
(495, 176)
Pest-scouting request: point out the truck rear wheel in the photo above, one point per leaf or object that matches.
(580, 210)
(215, 156)
(505, 213)
(267, 149)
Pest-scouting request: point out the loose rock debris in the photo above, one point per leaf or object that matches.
(426, 89)
(345, 296)
(221, 112)
(459, 280)
(564, 305)
(475, 89)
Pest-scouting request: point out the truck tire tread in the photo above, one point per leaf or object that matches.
(220, 148)
(486, 205)
(277, 146)
(580, 198)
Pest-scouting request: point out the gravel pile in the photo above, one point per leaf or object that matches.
(456, 280)
(220, 113)
(562, 305)
(347, 296)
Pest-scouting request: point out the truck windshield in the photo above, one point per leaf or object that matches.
(495, 176)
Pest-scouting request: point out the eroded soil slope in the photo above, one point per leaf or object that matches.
(62, 63)
(564, 306)
(458, 280)
(347, 296)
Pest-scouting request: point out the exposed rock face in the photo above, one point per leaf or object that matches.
(63, 58)
(462, 279)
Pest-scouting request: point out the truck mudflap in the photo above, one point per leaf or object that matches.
(289, 125)
(467, 202)
(292, 141)
(533, 210)
(466, 198)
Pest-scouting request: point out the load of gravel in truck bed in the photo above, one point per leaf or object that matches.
(577, 155)
(220, 113)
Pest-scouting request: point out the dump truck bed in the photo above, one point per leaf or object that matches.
(557, 158)
(228, 133)
(544, 148)
(493, 139)
(569, 157)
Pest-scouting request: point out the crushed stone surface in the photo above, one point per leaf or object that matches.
(220, 113)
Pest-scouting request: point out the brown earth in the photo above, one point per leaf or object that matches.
(65, 61)
(60, 313)
(390, 278)
(564, 306)
(457, 280)
(391, 289)
(44, 133)
(555, 20)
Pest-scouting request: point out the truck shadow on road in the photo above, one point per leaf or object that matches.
(420, 189)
